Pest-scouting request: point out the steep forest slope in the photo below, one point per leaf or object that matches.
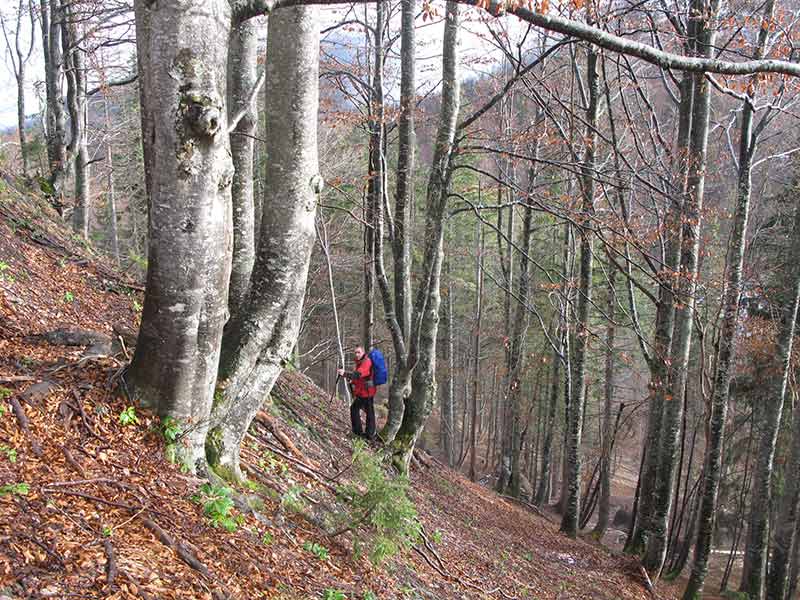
(90, 506)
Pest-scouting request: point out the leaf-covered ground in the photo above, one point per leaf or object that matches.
(91, 507)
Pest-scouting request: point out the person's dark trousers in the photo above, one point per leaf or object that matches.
(367, 405)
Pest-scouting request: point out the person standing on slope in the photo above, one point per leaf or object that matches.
(363, 393)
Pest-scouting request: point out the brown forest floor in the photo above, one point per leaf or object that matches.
(103, 514)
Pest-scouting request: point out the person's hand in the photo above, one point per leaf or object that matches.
(340, 372)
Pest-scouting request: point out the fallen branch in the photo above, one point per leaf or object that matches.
(72, 462)
(24, 424)
(647, 583)
(460, 578)
(16, 378)
(179, 548)
(111, 563)
(47, 549)
(528, 505)
(269, 422)
(303, 468)
(92, 498)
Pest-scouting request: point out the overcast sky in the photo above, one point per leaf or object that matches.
(477, 56)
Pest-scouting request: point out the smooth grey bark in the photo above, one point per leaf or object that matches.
(373, 228)
(664, 323)
(784, 545)
(425, 314)
(569, 521)
(111, 191)
(397, 308)
(242, 55)
(604, 505)
(53, 17)
(19, 61)
(476, 353)
(404, 192)
(544, 485)
(757, 544)
(182, 51)
(726, 352)
(258, 344)
(684, 293)
(446, 412)
(78, 109)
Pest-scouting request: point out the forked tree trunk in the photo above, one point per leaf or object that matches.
(725, 357)
(425, 316)
(787, 519)
(397, 309)
(259, 343)
(182, 53)
(52, 19)
(664, 321)
(78, 112)
(608, 400)
(569, 521)
(241, 82)
(684, 297)
(476, 352)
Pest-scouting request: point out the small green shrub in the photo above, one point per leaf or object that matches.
(218, 506)
(170, 429)
(266, 538)
(128, 417)
(69, 297)
(292, 499)
(368, 595)
(18, 489)
(269, 462)
(381, 516)
(10, 453)
(318, 550)
(334, 595)
(5, 275)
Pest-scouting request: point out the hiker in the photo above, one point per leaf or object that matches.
(363, 393)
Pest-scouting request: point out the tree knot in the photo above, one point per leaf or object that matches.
(202, 113)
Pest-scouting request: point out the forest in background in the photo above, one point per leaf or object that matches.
(619, 277)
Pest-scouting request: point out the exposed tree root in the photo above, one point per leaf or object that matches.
(22, 418)
(178, 547)
(72, 462)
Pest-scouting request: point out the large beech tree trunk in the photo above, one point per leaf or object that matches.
(182, 53)
(259, 342)
(241, 84)
(52, 20)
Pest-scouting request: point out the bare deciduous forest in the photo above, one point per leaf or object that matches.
(571, 229)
